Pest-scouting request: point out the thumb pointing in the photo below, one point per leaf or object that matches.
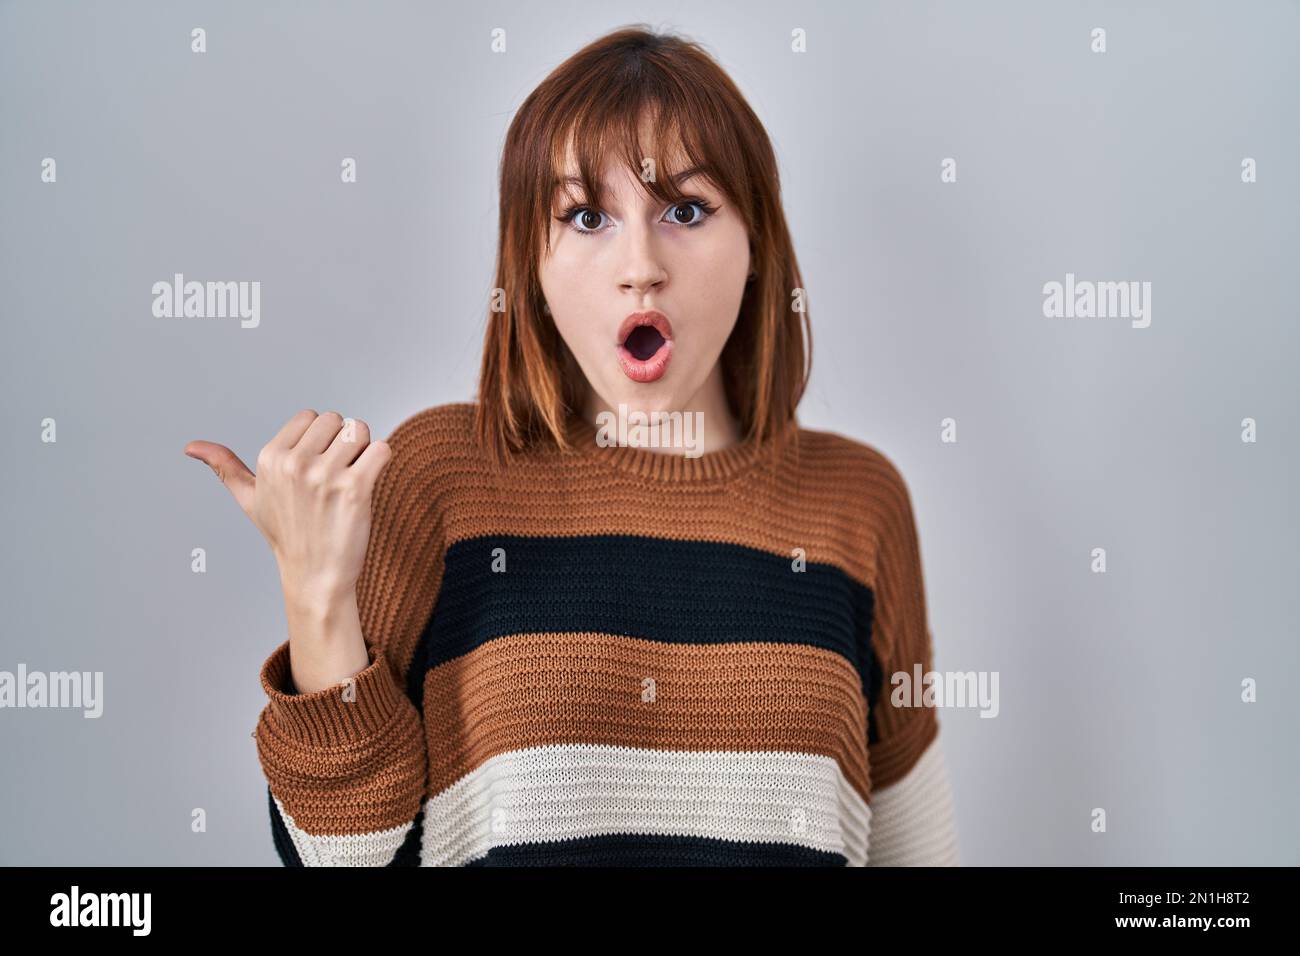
(234, 474)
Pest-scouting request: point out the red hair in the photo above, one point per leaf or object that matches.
(529, 381)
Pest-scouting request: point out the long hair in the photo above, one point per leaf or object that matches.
(593, 102)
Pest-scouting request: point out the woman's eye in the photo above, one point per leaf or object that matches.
(586, 221)
(683, 213)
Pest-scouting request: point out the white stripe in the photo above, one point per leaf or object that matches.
(544, 794)
(912, 819)
(359, 849)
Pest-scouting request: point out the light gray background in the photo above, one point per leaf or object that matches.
(1118, 691)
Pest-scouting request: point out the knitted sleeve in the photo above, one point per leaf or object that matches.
(346, 766)
(912, 821)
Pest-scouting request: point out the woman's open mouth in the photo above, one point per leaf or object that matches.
(645, 344)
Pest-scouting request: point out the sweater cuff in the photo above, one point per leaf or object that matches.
(332, 716)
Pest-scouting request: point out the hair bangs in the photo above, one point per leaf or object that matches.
(648, 125)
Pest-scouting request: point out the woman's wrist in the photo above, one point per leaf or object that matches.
(317, 601)
(326, 645)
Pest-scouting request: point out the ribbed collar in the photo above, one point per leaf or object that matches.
(669, 465)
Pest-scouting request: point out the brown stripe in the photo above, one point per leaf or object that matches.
(533, 690)
(825, 494)
(911, 730)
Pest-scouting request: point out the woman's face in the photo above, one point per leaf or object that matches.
(683, 260)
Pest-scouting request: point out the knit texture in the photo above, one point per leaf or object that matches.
(621, 656)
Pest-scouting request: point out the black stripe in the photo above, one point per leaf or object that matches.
(875, 679)
(408, 854)
(684, 592)
(622, 849)
(280, 834)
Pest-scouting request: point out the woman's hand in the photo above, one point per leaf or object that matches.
(311, 500)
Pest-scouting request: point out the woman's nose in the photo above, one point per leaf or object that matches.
(641, 262)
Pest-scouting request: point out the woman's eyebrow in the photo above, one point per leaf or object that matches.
(677, 180)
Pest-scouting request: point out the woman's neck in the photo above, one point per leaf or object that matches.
(702, 425)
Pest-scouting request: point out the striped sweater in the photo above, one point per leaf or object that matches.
(621, 656)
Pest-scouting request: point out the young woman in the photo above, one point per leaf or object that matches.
(622, 609)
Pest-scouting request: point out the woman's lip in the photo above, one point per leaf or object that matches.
(645, 317)
(647, 370)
